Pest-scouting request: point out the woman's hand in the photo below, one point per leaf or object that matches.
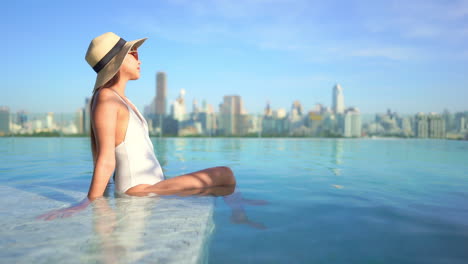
(65, 212)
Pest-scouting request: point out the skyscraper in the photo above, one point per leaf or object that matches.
(231, 110)
(178, 107)
(436, 126)
(161, 93)
(268, 111)
(195, 108)
(338, 100)
(352, 123)
(429, 126)
(421, 125)
(296, 108)
(22, 118)
(4, 120)
(79, 120)
(50, 121)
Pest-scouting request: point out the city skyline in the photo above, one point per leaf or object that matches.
(337, 120)
(337, 95)
(385, 54)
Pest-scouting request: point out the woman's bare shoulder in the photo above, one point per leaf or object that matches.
(105, 95)
(105, 98)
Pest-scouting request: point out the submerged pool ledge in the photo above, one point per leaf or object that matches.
(120, 230)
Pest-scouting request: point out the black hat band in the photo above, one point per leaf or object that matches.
(116, 49)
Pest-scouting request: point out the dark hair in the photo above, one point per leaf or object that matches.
(108, 84)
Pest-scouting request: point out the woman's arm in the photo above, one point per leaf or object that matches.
(104, 124)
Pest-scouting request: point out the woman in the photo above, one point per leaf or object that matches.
(119, 134)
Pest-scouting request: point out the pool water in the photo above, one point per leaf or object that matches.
(296, 201)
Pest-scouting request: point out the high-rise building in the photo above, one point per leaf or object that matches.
(462, 125)
(4, 120)
(280, 113)
(421, 125)
(338, 100)
(230, 115)
(178, 111)
(79, 121)
(296, 108)
(460, 122)
(449, 119)
(50, 121)
(319, 109)
(352, 122)
(296, 119)
(406, 127)
(161, 93)
(268, 111)
(436, 126)
(195, 108)
(429, 126)
(37, 125)
(22, 117)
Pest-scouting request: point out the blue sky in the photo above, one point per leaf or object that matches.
(409, 56)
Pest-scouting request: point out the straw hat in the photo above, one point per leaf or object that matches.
(106, 53)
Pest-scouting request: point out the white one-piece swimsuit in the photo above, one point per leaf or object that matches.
(135, 160)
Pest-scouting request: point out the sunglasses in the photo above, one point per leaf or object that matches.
(134, 53)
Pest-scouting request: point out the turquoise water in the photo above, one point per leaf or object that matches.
(297, 201)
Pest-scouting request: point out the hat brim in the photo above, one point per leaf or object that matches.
(111, 68)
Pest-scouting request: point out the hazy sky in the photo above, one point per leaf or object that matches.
(409, 56)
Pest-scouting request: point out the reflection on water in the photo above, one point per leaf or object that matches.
(237, 204)
(337, 154)
(160, 150)
(120, 231)
(171, 229)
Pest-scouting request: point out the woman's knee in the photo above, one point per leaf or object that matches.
(227, 174)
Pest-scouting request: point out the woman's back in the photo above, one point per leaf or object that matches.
(136, 162)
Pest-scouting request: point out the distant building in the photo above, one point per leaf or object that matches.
(280, 113)
(449, 120)
(37, 125)
(4, 120)
(338, 105)
(429, 126)
(195, 108)
(208, 119)
(460, 122)
(315, 121)
(421, 126)
(389, 122)
(208, 123)
(406, 128)
(274, 122)
(161, 93)
(352, 122)
(462, 125)
(297, 108)
(22, 118)
(79, 121)
(50, 121)
(231, 111)
(436, 126)
(268, 111)
(178, 111)
(296, 120)
(319, 109)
